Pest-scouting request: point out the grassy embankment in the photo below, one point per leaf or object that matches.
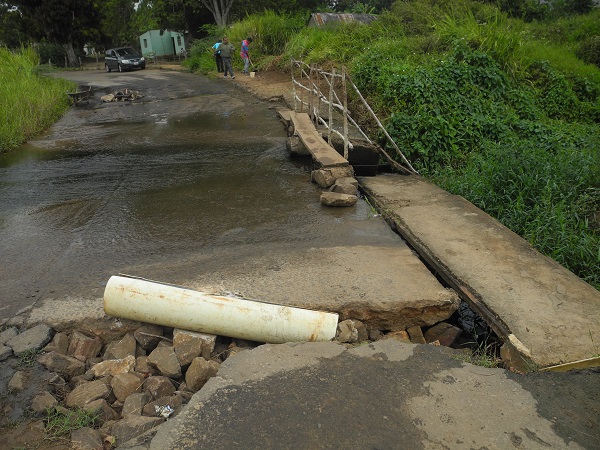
(502, 112)
(29, 101)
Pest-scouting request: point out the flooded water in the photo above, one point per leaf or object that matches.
(127, 195)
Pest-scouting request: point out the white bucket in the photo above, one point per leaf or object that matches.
(172, 306)
(252, 74)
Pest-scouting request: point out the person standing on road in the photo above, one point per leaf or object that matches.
(217, 54)
(226, 48)
(245, 55)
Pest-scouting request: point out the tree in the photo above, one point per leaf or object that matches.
(12, 27)
(186, 16)
(219, 9)
(70, 23)
(117, 21)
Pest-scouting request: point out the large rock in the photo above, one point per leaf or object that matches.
(134, 404)
(443, 332)
(58, 344)
(122, 348)
(42, 402)
(351, 331)
(142, 366)
(338, 199)
(416, 335)
(166, 361)
(159, 387)
(345, 185)
(133, 426)
(8, 334)
(18, 381)
(32, 339)
(199, 372)
(114, 366)
(86, 393)
(401, 335)
(325, 178)
(83, 347)
(125, 384)
(148, 336)
(62, 364)
(102, 409)
(189, 345)
(296, 147)
(86, 439)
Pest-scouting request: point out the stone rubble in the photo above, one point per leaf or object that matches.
(146, 376)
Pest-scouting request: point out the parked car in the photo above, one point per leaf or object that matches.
(122, 59)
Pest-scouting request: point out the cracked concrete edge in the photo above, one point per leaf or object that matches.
(515, 353)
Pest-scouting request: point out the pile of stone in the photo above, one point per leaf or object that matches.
(340, 184)
(133, 384)
(441, 334)
(140, 379)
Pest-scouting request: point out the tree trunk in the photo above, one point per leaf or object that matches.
(219, 9)
(72, 59)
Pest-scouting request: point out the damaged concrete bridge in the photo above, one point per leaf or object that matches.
(545, 315)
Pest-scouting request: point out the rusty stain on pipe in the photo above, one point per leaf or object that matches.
(178, 307)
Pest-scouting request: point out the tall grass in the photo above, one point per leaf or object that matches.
(29, 102)
(490, 108)
(544, 187)
(270, 33)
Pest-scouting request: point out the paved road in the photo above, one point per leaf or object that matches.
(384, 395)
(191, 185)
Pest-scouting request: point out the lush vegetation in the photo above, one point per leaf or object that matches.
(499, 110)
(494, 100)
(29, 101)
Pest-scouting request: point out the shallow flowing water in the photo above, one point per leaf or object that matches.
(125, 194)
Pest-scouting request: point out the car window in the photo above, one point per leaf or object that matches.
(126, 51)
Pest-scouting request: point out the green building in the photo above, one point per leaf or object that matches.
(155, 43)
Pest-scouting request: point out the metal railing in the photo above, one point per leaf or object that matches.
(306, 85)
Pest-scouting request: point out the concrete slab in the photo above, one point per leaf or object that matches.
(385, 285)
(543, 311)
(387, 394)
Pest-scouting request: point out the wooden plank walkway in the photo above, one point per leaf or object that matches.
(320, 150)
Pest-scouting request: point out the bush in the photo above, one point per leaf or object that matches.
(541, 188)
(589, 50)
(51, 53)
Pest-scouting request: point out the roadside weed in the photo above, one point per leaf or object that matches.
(59, 423)
(27, 358)
(485, 354)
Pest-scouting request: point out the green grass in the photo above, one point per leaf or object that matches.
(502, 112)
(484, 355)
(29, 101)
(27, 358)
(489, 107)
(59, 423)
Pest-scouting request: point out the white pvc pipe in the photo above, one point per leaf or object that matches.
(172, 306)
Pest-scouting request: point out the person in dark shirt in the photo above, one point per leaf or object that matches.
(226, 48)
(218, 58)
